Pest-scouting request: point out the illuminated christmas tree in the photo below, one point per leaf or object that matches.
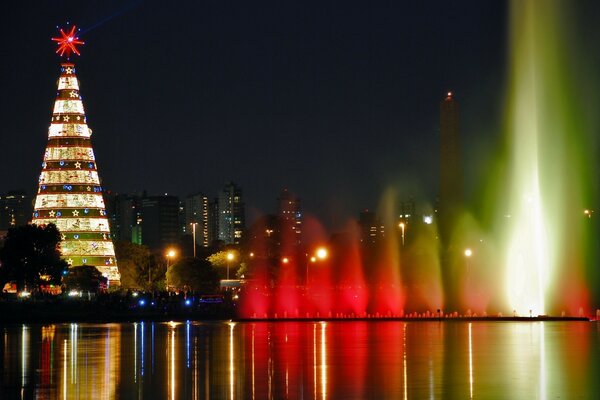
(69, 193)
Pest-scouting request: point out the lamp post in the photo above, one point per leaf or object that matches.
(230, 257)
(194, 237)
(170, 254)
(468, 254)
(320, 254)
(402, 225)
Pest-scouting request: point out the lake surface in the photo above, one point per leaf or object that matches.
(302, 360)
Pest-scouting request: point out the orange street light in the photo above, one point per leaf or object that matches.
(194, 236)
(170, 254)
(230, 258)
(322, 253)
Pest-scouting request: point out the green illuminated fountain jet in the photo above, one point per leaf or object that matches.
(545, 189)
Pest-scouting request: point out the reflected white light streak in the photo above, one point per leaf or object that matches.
(65, 369)
(142, 348)
(187, 343)
(152, 340)
(253, 372)
(135, 350)
(24, 354)
(431, 395)
(231, 361)
(323, 360)
(470, 361)
(73, 364)
(404, 363)
(315, 361)
(543, 394)
(172, 364)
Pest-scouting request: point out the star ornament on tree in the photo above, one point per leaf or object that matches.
(67, 43)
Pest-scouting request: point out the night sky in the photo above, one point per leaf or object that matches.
(336, 101)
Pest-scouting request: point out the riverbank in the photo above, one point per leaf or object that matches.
(113, 309)
(176, 308)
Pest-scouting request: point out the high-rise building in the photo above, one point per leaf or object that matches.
(196, 212)
(451, 178)
(264, 237)
(160, 221)
(407, 211)
(69, 192)
(290, 217)
(213, 221)
(124, 211)
(371, 228)
(15, 209)
(231, 214)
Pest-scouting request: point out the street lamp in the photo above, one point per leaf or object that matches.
(402, 225)
(468, 254)
(170, 254)
(193, 224)
(230, 258)
(320, 254)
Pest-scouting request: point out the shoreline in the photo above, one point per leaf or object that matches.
(120, 309)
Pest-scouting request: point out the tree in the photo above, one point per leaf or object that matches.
(194, 273)
(31, 256)
(221, 261)
(84, 277)
(139, 268)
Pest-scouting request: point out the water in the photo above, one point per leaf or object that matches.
(301, 360)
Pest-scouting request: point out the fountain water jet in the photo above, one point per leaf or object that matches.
(545, 166)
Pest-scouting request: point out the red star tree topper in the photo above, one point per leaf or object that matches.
(67, 43)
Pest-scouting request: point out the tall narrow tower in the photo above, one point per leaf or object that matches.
(451, 197)
(451, 179)
(69, 192)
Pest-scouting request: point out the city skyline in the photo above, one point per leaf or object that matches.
(269, 97)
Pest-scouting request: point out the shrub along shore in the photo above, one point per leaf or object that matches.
(115, 308)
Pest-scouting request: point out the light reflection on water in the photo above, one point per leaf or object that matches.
(309, 360)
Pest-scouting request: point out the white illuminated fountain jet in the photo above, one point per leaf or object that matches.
(544, 181)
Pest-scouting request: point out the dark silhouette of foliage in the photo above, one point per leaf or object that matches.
(193, 273)
(139, 268)
(84, 277)
(30, 254)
